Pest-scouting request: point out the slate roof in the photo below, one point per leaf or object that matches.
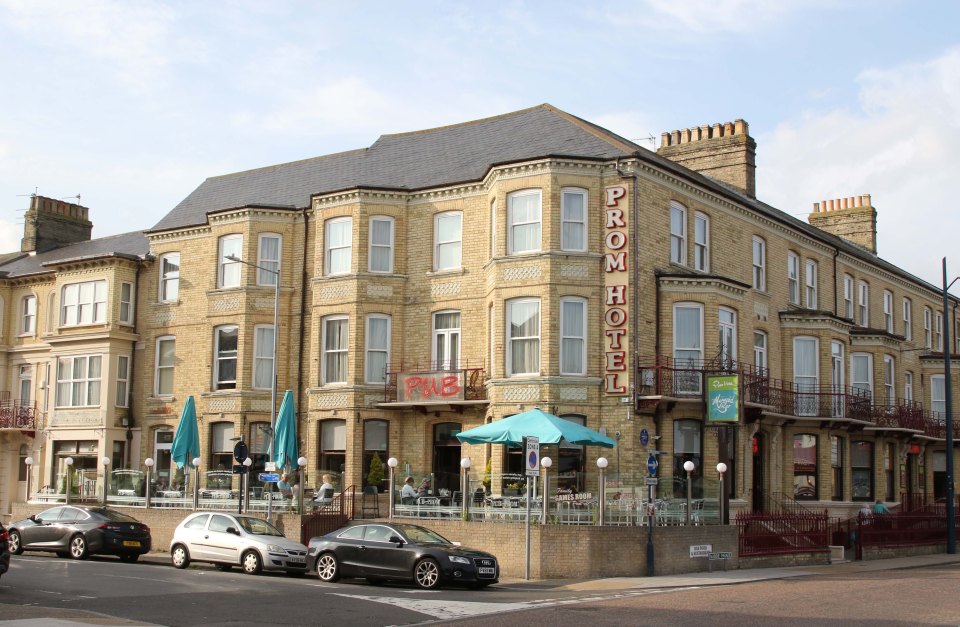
(129, 245)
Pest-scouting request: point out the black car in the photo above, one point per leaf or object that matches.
(76, 531)
(399, 552)
(4, 551)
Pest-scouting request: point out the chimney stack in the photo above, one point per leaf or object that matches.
(725, 152)
(853, 218)
(51, 223)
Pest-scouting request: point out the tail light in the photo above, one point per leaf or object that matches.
(3, 534)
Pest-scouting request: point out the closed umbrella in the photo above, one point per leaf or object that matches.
(548, 428)
(186, 441)
(286, 449)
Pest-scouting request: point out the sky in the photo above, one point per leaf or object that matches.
(131, 104)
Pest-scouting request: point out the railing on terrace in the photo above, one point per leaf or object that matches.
(899, 529)
(330, 517)
(665, 376)
(425, 378)
(780, 533)
(17, 414)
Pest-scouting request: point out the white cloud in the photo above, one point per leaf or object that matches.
(10, 234)
(902, 146)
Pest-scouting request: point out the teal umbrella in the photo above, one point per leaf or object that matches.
(286, 450)
(186, 441)
(538, 423)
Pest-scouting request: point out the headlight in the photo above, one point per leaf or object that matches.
(456, 559)
(273, 548)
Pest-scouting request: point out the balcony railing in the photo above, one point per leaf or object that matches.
(17, 414)
(429, 381)
(679, 379)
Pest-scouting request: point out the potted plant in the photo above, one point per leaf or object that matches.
(375, 474)
(486, 478)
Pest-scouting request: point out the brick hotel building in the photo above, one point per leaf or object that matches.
(445, 278)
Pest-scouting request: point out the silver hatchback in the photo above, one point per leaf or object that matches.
(229, 540)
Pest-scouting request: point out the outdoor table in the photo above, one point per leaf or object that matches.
(126, 492)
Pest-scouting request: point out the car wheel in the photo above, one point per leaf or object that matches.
(251, 562)
(426, 574)
(179, 556)
(129, 557)
(225, 568)
(328, 568)
(78, 547)
(14, 543)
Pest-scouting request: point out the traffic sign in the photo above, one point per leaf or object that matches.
(720, 555)
(240, 451)
(267, 477)
(651, 481)
(652, 465)
(644, 437)
(532, 456)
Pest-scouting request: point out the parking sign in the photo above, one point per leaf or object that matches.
(532, 456)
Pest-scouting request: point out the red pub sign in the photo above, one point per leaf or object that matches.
(616, 279)
(428, 387)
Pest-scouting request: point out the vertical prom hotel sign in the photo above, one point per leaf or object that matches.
(723, 398)
(616, 279)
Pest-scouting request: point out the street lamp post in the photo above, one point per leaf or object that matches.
(245, 485)
(951, 506)
(721, 468)
(301, 469)
(601, 500)
(69, 462)
(29, 462)
(392, 463)
(546, 462)
(464, 488)
(196, 483)
(106, 476)
(148, 462)
(689, 466)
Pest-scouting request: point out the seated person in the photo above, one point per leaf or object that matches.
(424, 489)
(284, 486)
(408, 494)
(324, 494)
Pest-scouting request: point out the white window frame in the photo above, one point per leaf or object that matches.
(701, 242)
(809, 382)
(329, 251)
(569, 342)
(862, 385)
(512, 224)
(728, 334)
(759, 256)
(169, 279)
(493, 228)
(908, 386)
(83, 303)
(510, 339)
(85, 381)
(793, 278)
(810, 283)
(450, 337)
(565, 220)
(28, 315)
(226, 269)
(678, 234)
(220, 357)
(123, 381)
(389, 246)
(907, 319)
(888, 311)
(370, 377)
(692, 351)
(760, 340)
(938, 396)
(938, 330)
(889, 379)
(263, 357)
(326, 352)
(848, 296)
(837, 377)
(928, 328)
(126, 305)
(863, 303)
(265, 276)
(454, 243)
(158, 366)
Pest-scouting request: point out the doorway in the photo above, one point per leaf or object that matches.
(446, 456)
(758, 466)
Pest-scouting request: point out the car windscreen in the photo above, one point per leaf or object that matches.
(421, 535)
(258, 527)
(115, 516)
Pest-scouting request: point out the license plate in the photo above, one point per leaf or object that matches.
(297, 560)
(487, 571)
(131, 543)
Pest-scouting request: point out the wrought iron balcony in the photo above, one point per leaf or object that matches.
(429, 383)
(18, 415)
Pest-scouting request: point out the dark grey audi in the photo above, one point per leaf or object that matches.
(77, 531)
(383, 552)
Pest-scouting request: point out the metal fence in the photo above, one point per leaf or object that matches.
(781, 533)
(329, 517)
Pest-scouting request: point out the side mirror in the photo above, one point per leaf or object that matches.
(396, 540)
(233, 530)
(33, 518)
(456, 544)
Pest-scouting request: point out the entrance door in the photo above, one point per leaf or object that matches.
(446, 456)
(162, 459)
(758, 465)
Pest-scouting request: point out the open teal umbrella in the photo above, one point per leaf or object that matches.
(186, 441)
(286, 450)
(538, 423)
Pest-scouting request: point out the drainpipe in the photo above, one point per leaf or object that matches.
(304, 279)
(836, 306)
(133, 356)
